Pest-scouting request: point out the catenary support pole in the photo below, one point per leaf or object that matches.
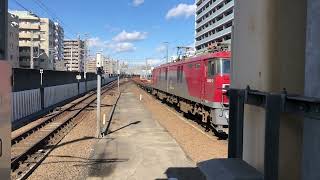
(31, 53)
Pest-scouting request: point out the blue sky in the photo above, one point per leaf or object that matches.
(129, 30)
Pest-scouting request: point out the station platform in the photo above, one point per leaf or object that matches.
(137, 147)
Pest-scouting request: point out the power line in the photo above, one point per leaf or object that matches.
(23, 7)
(51, 13)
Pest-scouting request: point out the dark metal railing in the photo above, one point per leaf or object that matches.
(274, 104)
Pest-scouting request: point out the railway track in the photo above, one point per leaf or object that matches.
(30, 147)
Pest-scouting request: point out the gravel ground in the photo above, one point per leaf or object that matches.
(197, 144)
(71, 158)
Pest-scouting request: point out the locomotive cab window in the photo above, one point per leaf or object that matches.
(226, 66)
(179, 74)
(166, 73)
(218, 66)
(211, 68)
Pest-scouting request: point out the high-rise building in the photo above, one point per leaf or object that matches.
(43, 36)
(13, 40)
(214, 20)
(74, 55)
(51, 37)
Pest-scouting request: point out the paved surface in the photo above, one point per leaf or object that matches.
(139, 148)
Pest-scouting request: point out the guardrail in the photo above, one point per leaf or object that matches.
(274, 104)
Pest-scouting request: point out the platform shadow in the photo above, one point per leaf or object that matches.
(75, 141)
(80, 161)
(133, 123)
(183, 173)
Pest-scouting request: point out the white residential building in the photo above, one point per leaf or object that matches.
(43, 36)
(74, 55)
(13, 40)
(214, 20)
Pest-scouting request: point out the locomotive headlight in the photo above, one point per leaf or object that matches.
(225, 87)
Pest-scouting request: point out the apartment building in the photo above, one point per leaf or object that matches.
(90, 66)
(51, 36)
(213, 24)
(109, 66)
(74, 54)
(13, 40)
(43, 36)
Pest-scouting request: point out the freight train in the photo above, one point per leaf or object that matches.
(197, 87)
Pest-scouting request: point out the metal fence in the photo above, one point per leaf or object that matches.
(29, 102)
(25, 103)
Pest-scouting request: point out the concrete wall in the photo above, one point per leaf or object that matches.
(24, 79)
(3, 31)
(311, 127)
(273, 32)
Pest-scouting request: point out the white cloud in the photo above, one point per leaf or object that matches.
(96, 42)
(161, 48)
(137, 2)
(112, 29)
(153, 62)
(129, 37)
(124, 47)
(184, 10)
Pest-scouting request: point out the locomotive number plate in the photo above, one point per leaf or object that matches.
(209, 80)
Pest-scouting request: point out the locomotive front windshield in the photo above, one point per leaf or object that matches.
(218, 66)
(225, 66)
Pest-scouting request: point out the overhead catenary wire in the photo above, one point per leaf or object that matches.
(48, 12)
(53, 15)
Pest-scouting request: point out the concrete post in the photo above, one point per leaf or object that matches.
(98, 105)
(31, 53)
(5, 96)
(311, 127)
(98, 64)
(3, 31)
(268, 55)
(41, 89)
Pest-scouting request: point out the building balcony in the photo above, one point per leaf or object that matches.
(28, 44)
(35, 26)
(203, 3)
(214, 36)
(29, 35)
(221, 22)
(215, 14)
(213, 5)
(26, 63)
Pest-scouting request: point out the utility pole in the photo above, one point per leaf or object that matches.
(31, 53)
(71, 56)
(167, 51)
(118, 75)
(99, 72)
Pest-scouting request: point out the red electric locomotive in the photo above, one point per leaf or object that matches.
(196, 85)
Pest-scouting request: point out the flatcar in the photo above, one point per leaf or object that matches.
(197, 86)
